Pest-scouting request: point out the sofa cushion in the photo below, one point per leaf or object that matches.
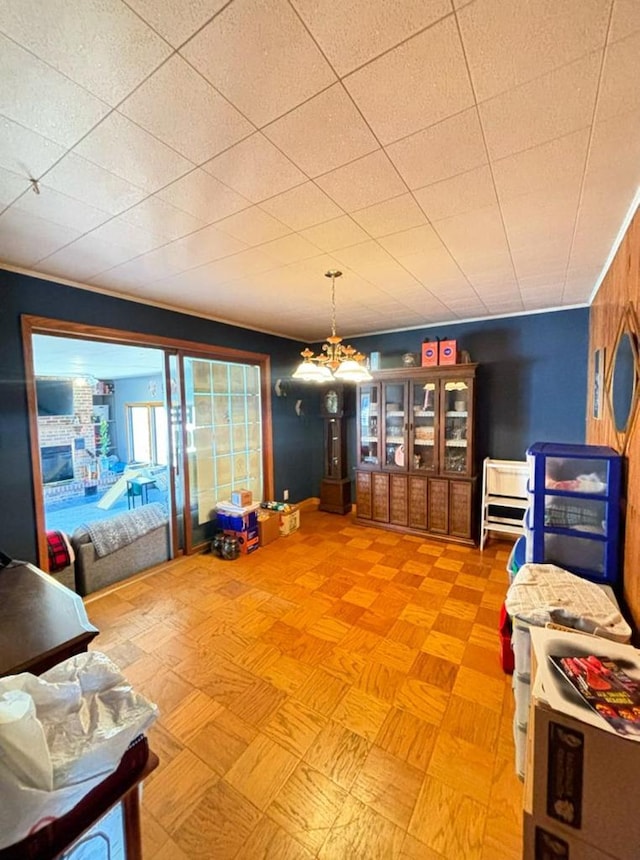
(114, 533)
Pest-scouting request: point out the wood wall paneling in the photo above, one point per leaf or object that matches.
(620, 286)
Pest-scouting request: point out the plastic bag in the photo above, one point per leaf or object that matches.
(61, 733)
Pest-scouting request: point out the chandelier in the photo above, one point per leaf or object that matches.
(336, 361)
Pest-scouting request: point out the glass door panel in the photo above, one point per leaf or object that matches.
(224, 437)
(457, 400)
(423, 427)
(369, 417)
(395, 424)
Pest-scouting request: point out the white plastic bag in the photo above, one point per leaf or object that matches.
(62, 733)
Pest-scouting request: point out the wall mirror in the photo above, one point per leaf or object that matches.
(623, 377)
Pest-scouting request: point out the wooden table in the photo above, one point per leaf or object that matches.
(122, 786)
(41, 621)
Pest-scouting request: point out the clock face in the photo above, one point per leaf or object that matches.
(331, 404)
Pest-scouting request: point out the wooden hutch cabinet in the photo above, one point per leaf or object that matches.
(415, 460)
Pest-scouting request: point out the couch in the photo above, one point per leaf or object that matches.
(117, 547)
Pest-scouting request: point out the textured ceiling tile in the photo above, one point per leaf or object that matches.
(481, 229)
(25, 238)
(204, 196)
(176, 21)
(338, 233)
(392, 216)
(148, 267)
(444, 150)
(364, 182)
(615, 149)
(302, 207)
(248, 262)
(62, 209)
(255, 168)
(290, 249)
(369, 253)
(534, 38)
(162, 219)
(177, 105)
(92, 184)
(25, 152)
(199, 248)
(248, 46)
(43, 100)
(85, 258)
(323, 133)
(435, 270)
(414, 241)
(353, 33)
(122, 234)
(625, 19)
(123, 148)
(619, 90)
(253, 226)
(461, 193)
(11, 186)
(414, 86)
(557, 163)
(123, 50)
(549, 107)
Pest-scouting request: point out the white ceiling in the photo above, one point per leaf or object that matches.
(73, 357)
(455, 159)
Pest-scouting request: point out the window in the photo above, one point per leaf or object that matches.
(147, 428)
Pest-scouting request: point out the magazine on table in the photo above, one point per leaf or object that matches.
(606, 687)
(568, 677)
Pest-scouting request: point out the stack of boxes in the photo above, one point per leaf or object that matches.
(239, 518)
(443, 352)
(582, 774)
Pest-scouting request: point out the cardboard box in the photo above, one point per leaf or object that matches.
(429, 353)
(268, 527)
(447, 352)
(289, 521)
(542, 843)
(581, 785)
(242, 498)
(247, 540)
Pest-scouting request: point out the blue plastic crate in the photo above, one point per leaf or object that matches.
(237, 522)
(573, 518)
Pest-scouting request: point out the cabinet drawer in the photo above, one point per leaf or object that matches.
(418, 503)
(398, 500)
(438, 498)
(460, 511)
(380, 497)
(363, 494)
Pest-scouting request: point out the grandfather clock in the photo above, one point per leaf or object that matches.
(335, 489)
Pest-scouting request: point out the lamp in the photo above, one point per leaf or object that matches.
(336, 361)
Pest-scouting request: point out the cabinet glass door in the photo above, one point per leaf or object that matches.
(456, 409)
(423, 431)
(369, 419)
(394, 426)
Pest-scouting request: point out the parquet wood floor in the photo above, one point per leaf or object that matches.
(336, 694)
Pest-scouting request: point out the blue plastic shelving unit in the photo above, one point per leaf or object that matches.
(573, 519)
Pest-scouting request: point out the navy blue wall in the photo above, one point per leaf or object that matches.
(531, 384)
(297, 441)
(532, 376)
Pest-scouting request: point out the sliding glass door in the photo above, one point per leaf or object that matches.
(202, 427)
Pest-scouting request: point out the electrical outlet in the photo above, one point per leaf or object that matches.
(285, 495)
